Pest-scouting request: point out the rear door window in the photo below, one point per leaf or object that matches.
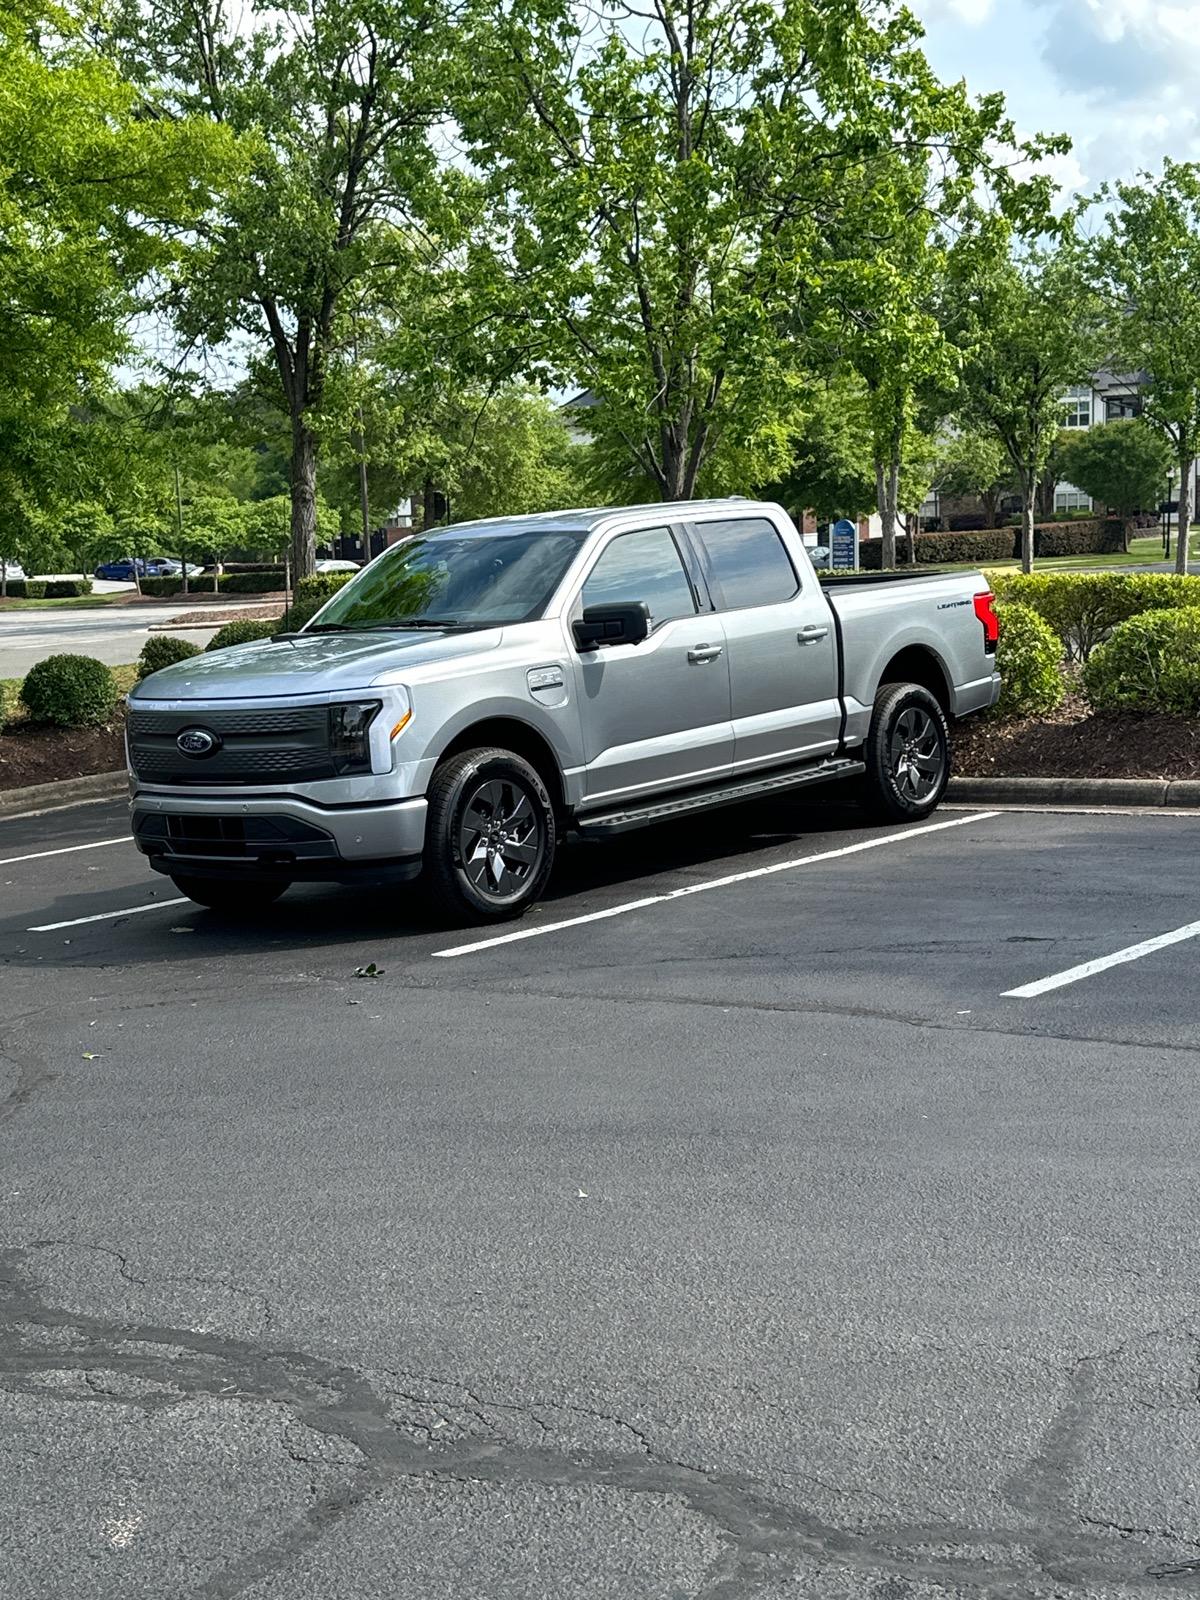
(747, 563)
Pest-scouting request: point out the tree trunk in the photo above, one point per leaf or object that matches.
(1184, 523)
(887, 558)
(990, 500)
(304, 499)
(3, 580)
(427, 514)
(1028, 492)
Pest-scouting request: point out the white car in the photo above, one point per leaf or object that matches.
(14, 572)
(338, 566)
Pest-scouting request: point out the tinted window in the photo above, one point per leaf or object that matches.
(749, 563)
(642, 566)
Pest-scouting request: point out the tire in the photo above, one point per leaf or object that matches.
(220, 894)
(489, 837)
(907, 754)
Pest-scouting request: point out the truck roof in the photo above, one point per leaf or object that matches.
(584, 519)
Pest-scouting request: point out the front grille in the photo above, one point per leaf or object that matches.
(288, 744)
(248, 837)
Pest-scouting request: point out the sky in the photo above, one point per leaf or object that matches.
(1121, 77)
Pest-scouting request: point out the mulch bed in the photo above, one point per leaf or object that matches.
(46, 755)
(266, 613)
(1074, 743)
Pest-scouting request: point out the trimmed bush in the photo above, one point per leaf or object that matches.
(322, 584)
(162, 650)
(1080, 538)
(301, 612)
(67, 588)
(241, 633)
(995, 544)
(970, 522)
(1029, 660)
(269, 582)
(1083, 608)
(165, 586)
(1151, 663)
(70, 691)
(27, 589)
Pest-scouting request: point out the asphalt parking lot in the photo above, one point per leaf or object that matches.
(787, 1208)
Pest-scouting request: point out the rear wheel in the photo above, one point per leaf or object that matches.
(221, 894)
(907, 754)
(490, 836)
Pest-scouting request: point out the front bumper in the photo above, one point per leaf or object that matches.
(280, 836)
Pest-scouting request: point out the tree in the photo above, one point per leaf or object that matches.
(1147, 264)
(670, 187)
(97, 190)
(1027, 330)
(337, 100)
(1122, 464)
(969, 463)
(831, 472)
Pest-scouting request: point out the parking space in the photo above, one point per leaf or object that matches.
(728, 1224)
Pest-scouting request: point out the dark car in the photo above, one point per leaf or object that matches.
(125, 571)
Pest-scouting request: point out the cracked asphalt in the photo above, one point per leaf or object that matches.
(751, 1243)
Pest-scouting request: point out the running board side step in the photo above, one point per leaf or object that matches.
(604, 823)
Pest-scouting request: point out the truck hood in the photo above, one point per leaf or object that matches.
(314, 663)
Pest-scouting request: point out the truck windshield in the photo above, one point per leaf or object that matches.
(458, 580)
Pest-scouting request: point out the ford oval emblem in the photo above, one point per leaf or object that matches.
(197, 742)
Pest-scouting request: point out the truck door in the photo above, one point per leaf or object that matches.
(654, 715)
(779, 631)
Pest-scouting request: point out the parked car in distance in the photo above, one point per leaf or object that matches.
(126, 569)
(338, 566)
(481, 689)
(13, 571)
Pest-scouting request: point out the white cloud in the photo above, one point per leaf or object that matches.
(1131, 49)
(973, 12)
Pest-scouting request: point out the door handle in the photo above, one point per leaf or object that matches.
(813, 634)
(703, 653)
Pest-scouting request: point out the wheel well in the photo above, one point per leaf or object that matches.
(511, 734)
(918, 665)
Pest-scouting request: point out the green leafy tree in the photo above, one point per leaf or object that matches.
(1027, 330)
(831, 471)
(1122, 464)
(1148, 266)
(971, 463)
(337, 102)
(677, 187)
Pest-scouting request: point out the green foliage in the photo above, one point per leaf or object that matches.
(1124, 465)
(1147, 263)
(252, 582)
(830, 470)
(1029, 660)
(943, 548)
(69, 691)
(27, 588)
(1083, 608)
(240, 633)
(666, 197)
(298, 614)
(67, 588)
(161, 650)
(971, 462)
(1151, 663)
(322, 584)
(1078, 537)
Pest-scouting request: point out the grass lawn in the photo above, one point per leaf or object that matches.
(80, 603)
(11, 709)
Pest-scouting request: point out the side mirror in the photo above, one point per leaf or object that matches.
(624, 622)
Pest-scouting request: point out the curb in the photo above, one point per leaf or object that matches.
(1178, 793)
(201, 627)
(38, 797)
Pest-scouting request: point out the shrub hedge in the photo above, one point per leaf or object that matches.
(300, 612)
(1029, 659)
(1083, 608)
(1151, 663)
(168, 586)
(67, 588)
(163, 650)
(241, 633)
(1093, 537)
(995, 544)
(322, 584)
(268, 582)
(27, 588)
(69, 691)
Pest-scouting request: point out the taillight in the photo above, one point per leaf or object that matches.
(985, 610)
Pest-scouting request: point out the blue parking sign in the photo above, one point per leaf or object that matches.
(843, 545)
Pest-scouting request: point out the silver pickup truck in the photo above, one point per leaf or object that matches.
(479, 690)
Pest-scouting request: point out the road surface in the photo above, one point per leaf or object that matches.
(785, 1210)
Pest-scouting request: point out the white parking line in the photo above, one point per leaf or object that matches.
(65, 850)
(713, 883)
(107, 916)
(1087, 969)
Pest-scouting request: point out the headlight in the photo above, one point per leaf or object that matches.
(350, 735)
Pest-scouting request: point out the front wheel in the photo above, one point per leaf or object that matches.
(490, 836)
(227, 894)
(907, 754)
